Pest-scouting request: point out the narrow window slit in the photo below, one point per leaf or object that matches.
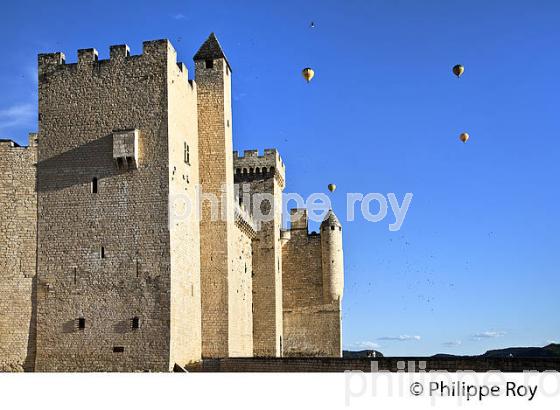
(186, 154)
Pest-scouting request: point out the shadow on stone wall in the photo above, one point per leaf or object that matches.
(29, 363)
(78, 164)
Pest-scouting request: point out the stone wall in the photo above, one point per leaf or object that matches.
(186, 330)
(18, 236)
(220, 277)
(240, 298)
(256, 176)
(302, 270)
(313, 331)
(104, 253)
(392, 364)
(312, 326)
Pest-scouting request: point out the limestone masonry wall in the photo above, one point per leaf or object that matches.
(302, 287)
(18, 243)
(215, 231)
(104, 240)
(313, 331)
(312, 319)
(257, 175)
(240, 297)
(186, 332)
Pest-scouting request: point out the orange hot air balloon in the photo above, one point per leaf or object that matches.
(464, 137)
(308, 74)
(458, 70)
(332, 187)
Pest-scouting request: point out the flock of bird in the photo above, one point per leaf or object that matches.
(308, 73)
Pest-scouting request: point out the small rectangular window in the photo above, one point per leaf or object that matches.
(102, 252)
(118, 349)
(136, 323)
(81, 323)
(94, 185)
(209, 63)
(187, 154)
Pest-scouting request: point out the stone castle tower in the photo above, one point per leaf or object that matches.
(99, 271)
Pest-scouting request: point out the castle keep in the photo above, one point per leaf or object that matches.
(97, 272)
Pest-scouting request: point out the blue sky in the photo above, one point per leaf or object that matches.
(475, 264)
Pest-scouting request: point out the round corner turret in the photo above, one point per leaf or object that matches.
(332, 258)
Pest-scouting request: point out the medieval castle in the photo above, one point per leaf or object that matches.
(95, 272)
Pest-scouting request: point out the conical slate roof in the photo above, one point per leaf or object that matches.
(211, 50)
(330, 219)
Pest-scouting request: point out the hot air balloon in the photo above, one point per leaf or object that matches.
(308, 74)
(458, 70)
(332, 187)
(312, 25)
(464, 137)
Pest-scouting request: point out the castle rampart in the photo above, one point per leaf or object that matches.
(256, 175)
(252, 166)
(312, 296)
(18, 241)
(108, 256)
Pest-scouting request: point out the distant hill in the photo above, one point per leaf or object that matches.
(552, 350)
(446, 356)
(361, 354)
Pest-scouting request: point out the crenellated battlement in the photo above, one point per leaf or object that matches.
(119, 52)
(155, 50)
(32, 142)
(87, 55)
(9, 143)
(269, 153)
(298, 219)
(252, 166)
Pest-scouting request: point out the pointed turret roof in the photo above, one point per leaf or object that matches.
(331, 219)
(211, 50)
